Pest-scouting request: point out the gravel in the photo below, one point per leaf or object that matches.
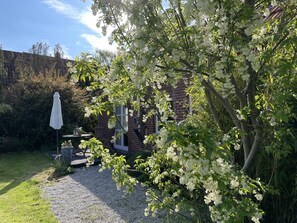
(89, 196)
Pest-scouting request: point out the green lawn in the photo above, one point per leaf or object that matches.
(21, 175)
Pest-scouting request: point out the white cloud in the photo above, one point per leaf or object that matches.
(63, 8)
(85, 17)
(101, 43)
(89, 20)
(66, 52)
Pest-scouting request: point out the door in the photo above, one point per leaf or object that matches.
(121, 129)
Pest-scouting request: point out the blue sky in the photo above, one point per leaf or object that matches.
(67, 22)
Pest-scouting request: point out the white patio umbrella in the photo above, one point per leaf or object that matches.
(56, 120)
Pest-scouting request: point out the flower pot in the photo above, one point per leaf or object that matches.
(66, 155)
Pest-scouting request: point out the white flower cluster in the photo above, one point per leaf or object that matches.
(88, 111)
(218, 178)
(252, 57)
(171, 153)
(212, 191)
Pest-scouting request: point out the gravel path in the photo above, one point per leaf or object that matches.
(88, 196)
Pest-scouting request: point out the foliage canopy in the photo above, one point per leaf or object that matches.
(31, 101)
(240, 56)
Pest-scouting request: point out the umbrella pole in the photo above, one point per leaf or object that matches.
(57, 142)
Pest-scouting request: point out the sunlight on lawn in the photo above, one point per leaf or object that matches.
(21, 175)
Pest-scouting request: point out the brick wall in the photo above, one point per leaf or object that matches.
(180, 100)
(134, 135)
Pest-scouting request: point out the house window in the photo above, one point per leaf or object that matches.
(121, 129)
(157, 124)
(190, 105)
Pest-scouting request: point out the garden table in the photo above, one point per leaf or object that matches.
(77, 138)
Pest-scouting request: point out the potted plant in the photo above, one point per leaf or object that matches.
(66, 152)
(78, 131)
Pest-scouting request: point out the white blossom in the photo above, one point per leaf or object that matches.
(259, 197)
(234, 183)
(88, 112)
(191, 184)
(236, 146)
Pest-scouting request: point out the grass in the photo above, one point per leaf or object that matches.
(21, 175)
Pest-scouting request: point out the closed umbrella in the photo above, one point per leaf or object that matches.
(56, 120)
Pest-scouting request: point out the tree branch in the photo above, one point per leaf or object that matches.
(212, 108)
(238, 92)
(255, 148)
(224, 102)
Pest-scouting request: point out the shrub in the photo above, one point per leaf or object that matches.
(60, 170)
(5, 113)
(132, 160)
(131, 157)
(10, 144)
(31, 101)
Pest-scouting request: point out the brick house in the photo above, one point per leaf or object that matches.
(132, 140)
(16, 62)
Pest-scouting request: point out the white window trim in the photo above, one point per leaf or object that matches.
(117, 146)
(157, 124)
(190, 105)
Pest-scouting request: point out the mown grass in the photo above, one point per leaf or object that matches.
(21, 175)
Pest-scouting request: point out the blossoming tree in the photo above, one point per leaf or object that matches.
(234, 53)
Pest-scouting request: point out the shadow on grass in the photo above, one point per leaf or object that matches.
(10, 186)
(17, 168)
